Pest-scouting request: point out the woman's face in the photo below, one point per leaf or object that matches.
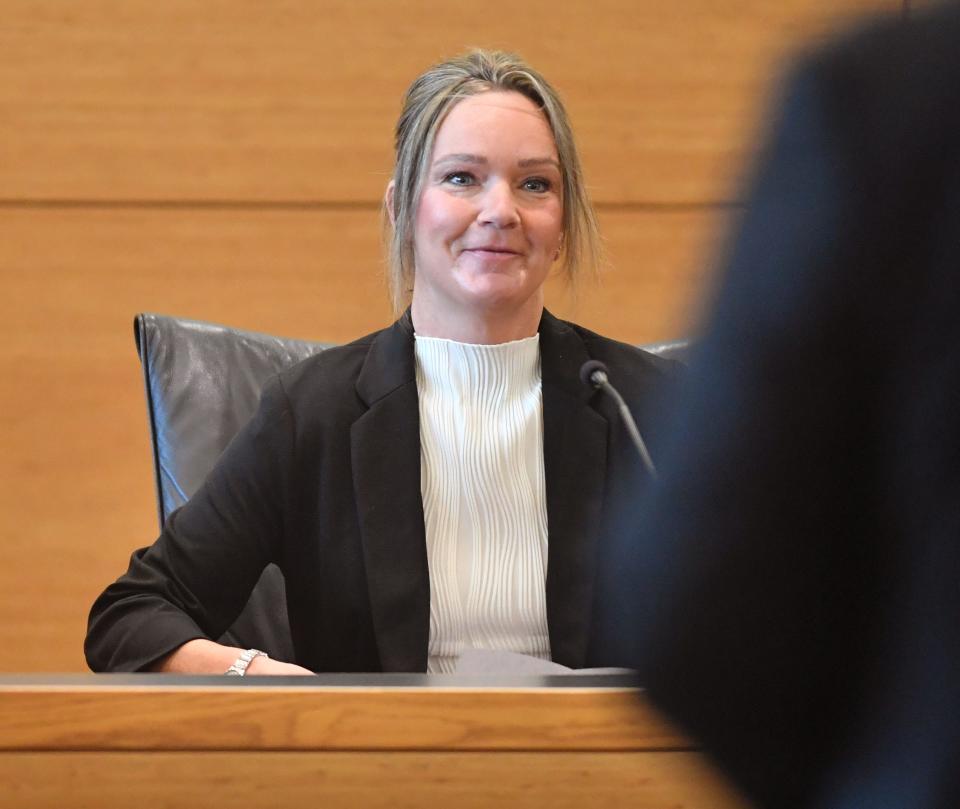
(488, 226)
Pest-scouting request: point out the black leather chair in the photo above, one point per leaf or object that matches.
(203, 383)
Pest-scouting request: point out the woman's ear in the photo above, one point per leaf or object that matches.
(388, 201)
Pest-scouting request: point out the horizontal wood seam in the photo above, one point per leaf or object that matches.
(314, 205)
(147, 748)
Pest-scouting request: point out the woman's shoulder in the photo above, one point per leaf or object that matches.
(661, 358)
(331, 375)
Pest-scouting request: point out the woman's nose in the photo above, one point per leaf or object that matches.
(499, 206)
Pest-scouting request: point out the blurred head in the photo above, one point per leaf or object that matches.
(428, 104)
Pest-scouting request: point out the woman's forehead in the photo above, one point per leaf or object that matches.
(495, 122)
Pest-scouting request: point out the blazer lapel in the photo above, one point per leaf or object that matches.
(385, 452)
(575, 461)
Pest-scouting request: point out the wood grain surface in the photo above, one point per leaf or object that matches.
(237, 100)
(316, 718)
(86, 744)
(397, 780)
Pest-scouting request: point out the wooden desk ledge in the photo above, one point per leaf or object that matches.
(374, 742)
(156, 712)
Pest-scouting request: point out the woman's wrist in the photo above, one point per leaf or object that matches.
(240, 666)
(202, 656)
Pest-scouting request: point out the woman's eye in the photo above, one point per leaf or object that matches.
(537, 185)
(459, 178)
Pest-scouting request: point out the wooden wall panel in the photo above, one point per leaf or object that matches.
(295, 100)
(78, 481)
(80, 274)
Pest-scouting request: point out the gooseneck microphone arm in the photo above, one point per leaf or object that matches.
(594, 374)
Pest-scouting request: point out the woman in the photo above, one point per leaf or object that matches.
(412, 485)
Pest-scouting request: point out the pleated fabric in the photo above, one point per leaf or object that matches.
(484, 502)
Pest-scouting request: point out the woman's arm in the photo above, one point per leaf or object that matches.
(195, 579)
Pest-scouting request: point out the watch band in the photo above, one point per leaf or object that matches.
(239, 667)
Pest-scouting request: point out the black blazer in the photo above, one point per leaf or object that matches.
(325, 482)
(797, 580)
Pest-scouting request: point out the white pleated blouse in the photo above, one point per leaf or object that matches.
(484, 501)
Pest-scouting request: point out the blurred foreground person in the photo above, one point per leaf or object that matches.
(798, 576)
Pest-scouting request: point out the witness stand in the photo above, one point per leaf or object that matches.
(111, 741)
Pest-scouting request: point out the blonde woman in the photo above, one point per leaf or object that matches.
(438, 485)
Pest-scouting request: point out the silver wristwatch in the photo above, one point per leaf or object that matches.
(239, 667)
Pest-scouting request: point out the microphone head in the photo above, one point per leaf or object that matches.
(589, 372)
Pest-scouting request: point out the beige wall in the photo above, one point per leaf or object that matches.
(225, 160)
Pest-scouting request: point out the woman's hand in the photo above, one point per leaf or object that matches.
(268, 666)
(201, 656)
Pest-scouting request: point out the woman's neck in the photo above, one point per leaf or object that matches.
(487, 327)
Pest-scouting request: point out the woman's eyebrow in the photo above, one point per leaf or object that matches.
(461, 157)
(538, 161)
(480, 160)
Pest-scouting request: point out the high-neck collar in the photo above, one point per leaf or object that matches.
(475, 370)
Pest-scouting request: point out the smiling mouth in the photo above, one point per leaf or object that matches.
(491, 251)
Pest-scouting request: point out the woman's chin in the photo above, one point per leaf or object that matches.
(493, 298)
(495, 290)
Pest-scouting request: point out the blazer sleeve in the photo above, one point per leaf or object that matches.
(196, 577)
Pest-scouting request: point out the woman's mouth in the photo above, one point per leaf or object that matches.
(491, 252)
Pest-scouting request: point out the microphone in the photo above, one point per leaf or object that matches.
(594, 374)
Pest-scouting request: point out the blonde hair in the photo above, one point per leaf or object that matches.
(425, 106)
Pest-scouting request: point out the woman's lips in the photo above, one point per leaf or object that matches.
(491, 253)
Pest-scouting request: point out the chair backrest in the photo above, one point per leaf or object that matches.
(203, 383)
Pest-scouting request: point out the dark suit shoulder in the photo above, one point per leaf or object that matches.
(622, 356)
(892, 74)
(927, 35)
(335, 366)
(321, 389)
